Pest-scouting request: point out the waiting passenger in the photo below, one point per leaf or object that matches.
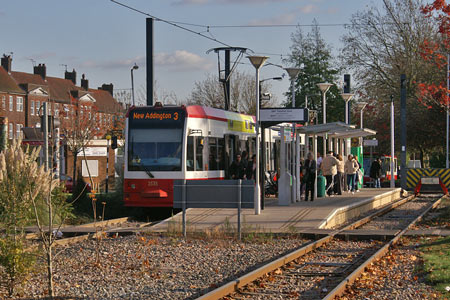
(309, 176)
(237, 168)
(351, 167)
(250, 172)
(375, 172)
(339, 177)
(329, 169)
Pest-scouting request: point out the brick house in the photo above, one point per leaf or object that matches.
(28, 92)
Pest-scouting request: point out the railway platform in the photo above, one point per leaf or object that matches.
(323, 213)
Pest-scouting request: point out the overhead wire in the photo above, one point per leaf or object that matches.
(171, 23)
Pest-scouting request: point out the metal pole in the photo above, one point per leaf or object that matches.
(315, 158)
(346, 112)
(183, 206)
(239, 208)
(306, 101)
(324, 121)
(447, 113)
(132, 85)
(403, 129)
(257, 183)
(227, 80)
(45, 130)
(293, 149)
(57, 154)
(392, 142)
(149, 56)
(263, 170)
(362, 116)
(107, 165)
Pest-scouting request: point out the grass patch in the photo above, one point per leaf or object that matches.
(440, 217)
(436, 256)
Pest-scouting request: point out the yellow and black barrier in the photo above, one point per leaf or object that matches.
(413, 176)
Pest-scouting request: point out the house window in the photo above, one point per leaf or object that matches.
(19, 104)
(19, 130)
(32, 108)
(56, 108)
(11, 103)
(10, 133)
(38, 106)
(4, 102)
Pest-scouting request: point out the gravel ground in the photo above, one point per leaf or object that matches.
(399, 217)
(151, 267)
(394, 277)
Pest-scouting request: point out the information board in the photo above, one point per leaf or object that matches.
(283, 115)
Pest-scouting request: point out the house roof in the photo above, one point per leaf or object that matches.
(7, 83)
(105, 102)
(62, 89)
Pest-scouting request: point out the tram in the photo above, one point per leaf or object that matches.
(164, 143)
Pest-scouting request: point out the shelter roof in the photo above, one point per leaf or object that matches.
(336, 130)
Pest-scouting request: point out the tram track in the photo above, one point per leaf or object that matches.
(325, 265)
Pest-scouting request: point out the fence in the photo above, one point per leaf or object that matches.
(213, 194)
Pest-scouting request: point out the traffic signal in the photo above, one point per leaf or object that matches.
(347, 83)
(114, 142)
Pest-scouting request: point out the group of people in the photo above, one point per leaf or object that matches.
(339, 175)
(242, 167)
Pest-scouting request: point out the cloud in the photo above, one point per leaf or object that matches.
(283, 19)
(286, 18)
(180, 60)
(41, 56)
(197, 2)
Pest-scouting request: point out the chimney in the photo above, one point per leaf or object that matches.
(7, 62)
(72, 76)
(84, 83)
(107, 87)
(40, 69)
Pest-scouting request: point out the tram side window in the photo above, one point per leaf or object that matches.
(190, 154)
(194, 155)
(199, 154)
(213, 158)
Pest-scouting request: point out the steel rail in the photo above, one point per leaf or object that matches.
(340, 289)
(240, 282)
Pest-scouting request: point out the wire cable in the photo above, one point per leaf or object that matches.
(171, 23)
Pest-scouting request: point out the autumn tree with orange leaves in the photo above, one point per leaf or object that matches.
(383, 42)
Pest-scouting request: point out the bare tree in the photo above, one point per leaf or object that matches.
(159, 95)
(209, 92)
(80, 124)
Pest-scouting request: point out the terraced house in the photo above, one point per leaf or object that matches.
(22, 96)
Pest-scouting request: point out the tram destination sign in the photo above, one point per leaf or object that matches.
(283, 115)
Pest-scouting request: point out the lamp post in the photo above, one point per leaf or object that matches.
(108, 139)
(361, 106)
(392, 143)
(257, 62)
(324, 87)
(347, 97)
(267, 79)
(293, 73)
(135, 67)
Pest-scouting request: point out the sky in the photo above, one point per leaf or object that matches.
(104, 40)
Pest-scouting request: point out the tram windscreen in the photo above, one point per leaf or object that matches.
(156, 149)
(155, 137)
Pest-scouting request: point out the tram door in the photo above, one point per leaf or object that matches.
(231, 149)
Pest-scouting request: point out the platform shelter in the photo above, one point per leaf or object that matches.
(336, 138)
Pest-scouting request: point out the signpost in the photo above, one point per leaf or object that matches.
(284, 114)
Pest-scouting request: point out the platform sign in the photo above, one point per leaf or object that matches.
(371, 143)
(283, 115)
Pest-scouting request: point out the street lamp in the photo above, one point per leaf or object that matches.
(324, 87)
(257, 62)
(361, 106)
(267, 79)
(135, 67)
(347, 97)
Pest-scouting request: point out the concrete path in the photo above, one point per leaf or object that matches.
(292, 218)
